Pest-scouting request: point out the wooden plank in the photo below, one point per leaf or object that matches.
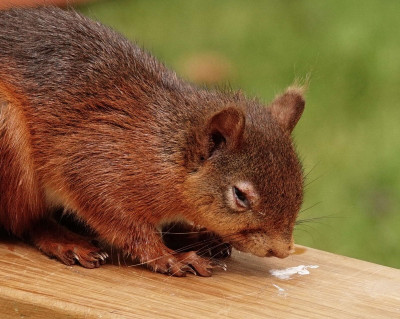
(31, 285)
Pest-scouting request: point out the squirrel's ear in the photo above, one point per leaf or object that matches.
(225, 128)
(287, 108)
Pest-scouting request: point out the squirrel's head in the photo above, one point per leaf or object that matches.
(245, 180)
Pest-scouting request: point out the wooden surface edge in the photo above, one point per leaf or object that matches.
(34, 286)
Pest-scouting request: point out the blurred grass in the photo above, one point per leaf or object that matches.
(349, 136)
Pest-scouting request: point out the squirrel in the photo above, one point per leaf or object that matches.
(94, 124)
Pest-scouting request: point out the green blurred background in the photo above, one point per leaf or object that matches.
(349, 136)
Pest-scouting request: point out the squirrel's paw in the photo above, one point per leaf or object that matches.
(68, 247)
(180, 264)
(85, 254)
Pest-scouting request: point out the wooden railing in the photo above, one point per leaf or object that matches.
(34, 286)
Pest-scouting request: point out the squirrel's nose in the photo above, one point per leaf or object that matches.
(281, 249)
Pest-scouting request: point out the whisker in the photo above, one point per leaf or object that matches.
(182, 249)
(309, 207)
(307, 231)
(312, 168)
(312, 181)
(314, 219)
(185, 233)
(203, 243)
(167, 232)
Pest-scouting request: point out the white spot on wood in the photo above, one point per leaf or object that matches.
(277, 287)
(286, 274)
(281, 291)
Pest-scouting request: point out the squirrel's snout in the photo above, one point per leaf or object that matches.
(279, 254)
(262, 245)
(281, 249)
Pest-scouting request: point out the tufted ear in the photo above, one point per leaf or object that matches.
(225, 127)
(287, 108)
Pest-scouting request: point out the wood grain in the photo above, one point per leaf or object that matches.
(33, 286)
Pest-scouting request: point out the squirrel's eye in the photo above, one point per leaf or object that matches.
(241, 198)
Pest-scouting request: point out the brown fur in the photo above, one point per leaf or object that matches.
(92, 123)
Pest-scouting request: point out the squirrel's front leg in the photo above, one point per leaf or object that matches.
(144, 244)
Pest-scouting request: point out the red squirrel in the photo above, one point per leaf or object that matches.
(94, 124)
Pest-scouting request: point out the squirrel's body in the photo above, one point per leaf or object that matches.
(92, 123)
